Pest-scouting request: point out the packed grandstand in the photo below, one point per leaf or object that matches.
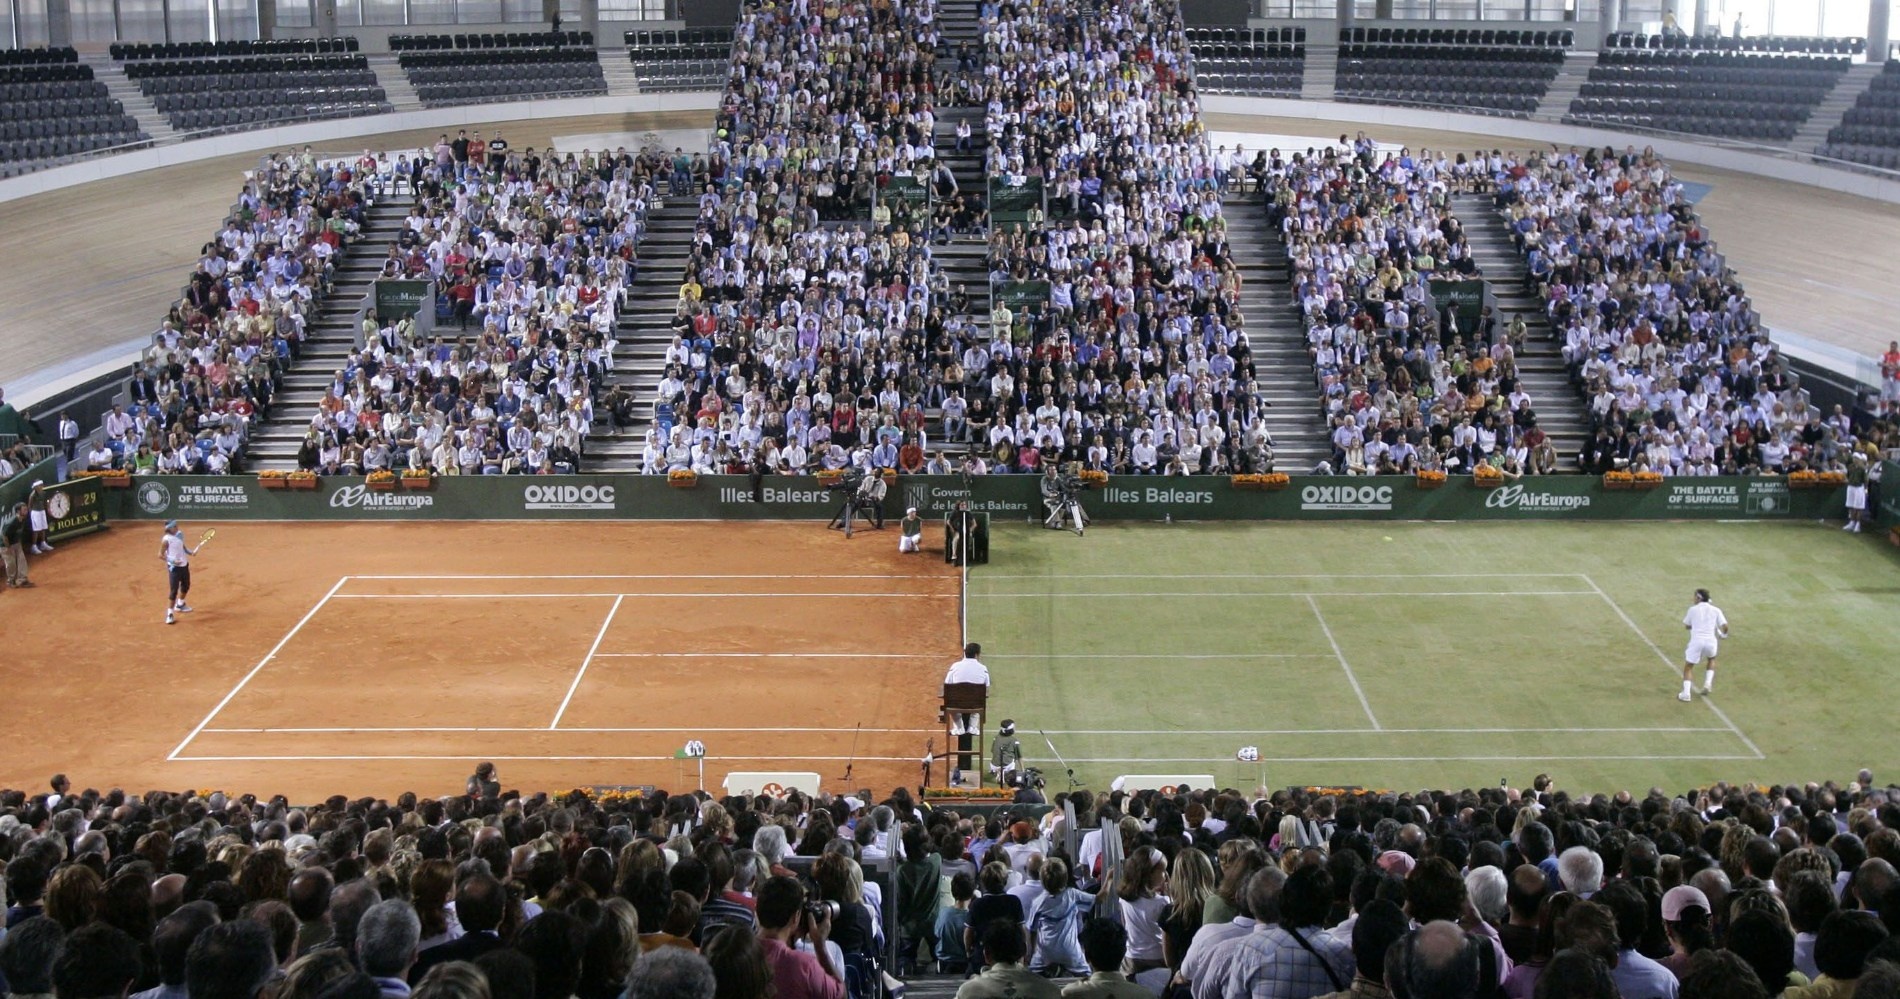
(1723, 893)
(803, 339)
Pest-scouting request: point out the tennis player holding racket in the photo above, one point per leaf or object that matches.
(177, 556)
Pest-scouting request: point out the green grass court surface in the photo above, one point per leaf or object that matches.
(1409, 655)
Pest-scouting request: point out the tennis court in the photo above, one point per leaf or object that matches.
(1413, 655)
(379, 658)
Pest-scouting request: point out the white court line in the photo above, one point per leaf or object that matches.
(769, 655)
(1343, 664)
(1381, 731)
(1295, 575)
(671, 575)
(1342, 593)
(1671, 664)
(292, 633)
(1161, 655)
(571, 728)
(465, 757)
(616, 595)
(582, 672)
(1386, 759)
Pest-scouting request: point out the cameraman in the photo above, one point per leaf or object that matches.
(782, 921)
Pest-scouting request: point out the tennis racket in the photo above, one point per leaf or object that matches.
(205, 538)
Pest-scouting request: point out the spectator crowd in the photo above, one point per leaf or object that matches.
(1680, 375)
(534, 252)
(1724, 893)
(216, 361)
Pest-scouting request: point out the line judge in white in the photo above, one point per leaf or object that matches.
(1706, 625)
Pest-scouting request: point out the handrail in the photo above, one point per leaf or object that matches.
(1716, 142)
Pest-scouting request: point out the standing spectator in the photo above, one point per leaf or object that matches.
(918, 889)
(954, 929)
(68, 434)
(1144, 875)
(13, 532)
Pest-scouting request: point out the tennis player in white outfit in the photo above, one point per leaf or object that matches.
(177, 570)
(1706, 625)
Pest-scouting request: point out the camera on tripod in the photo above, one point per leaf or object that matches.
(1026, 777)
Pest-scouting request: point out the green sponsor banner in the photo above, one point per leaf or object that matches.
(1020, 295)
(906, 191)
(1466, 297)
(1004, 497)
(1013, 203)
(76, 506)
(395, 299)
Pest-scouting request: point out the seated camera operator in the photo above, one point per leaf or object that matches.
(783, 919)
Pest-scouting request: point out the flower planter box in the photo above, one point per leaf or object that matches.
(683, 483)
(1645, 484)
(1424, 483)
(418, 483)
(1488, 483)
(274, 482)
(122, 480)
(381, 485)
(309, 484)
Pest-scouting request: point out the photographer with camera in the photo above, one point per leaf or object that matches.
(785, 918)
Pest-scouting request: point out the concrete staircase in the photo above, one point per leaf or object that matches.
(395, 82)
(645, 331)
(1559, 405)
(327, 343)
(1322, 72)
(957, 21)
(965, 258)
(1567, 84)
(1827, 114)
(622, 81)
(1276, 335)
(108, 71)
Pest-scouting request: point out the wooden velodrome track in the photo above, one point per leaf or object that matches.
(89, 267)
(354, 659)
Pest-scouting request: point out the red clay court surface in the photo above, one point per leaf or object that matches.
(372, 659)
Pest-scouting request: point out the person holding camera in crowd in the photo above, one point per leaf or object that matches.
(784, 919)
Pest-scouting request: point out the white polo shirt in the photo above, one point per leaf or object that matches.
(1705, 621)
(968, 670)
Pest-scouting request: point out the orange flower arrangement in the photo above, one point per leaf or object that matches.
(1646, 480)
(1804, 479)
(1429, 478)
(1268, 481)
(682, 478)
(382, 475)
(1487, 475)
(1095, 475)
(1618, 480)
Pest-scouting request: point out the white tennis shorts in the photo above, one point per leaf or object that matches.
(1699, 649)
(1857, 497)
